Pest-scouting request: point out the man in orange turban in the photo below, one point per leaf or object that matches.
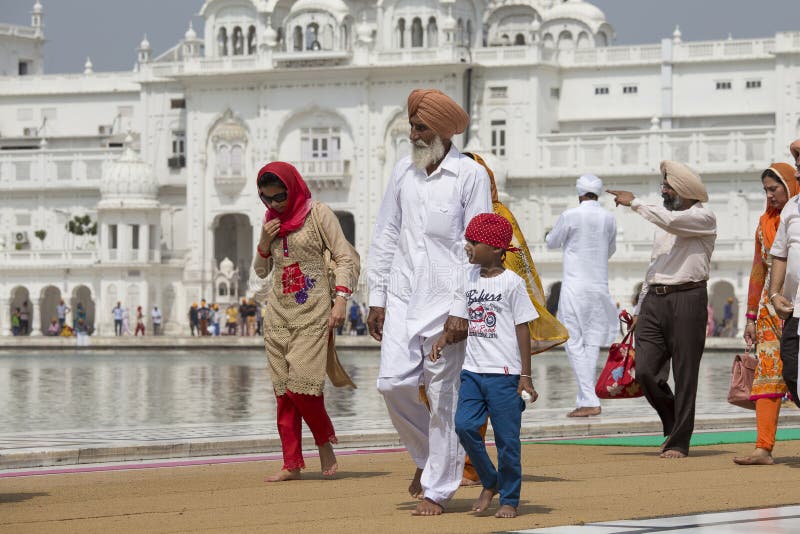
(435, 118)
(414, 260)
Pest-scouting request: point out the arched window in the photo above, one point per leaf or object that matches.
(460, 31)
(469, 33)
(519, 39)
(312, 32)
(237, 161)
(223, 160)
(602, 39)
(251, 40)
(433, 32)
(223, 289)
(298, 39)
(401, 33)
(344, 37)
(416, 33)
(505, 39)
(548, 40)
(238, 41)
(583, 40)
(326, 39)
(222, 42)
(565, 41)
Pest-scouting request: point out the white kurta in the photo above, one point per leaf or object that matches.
(415, 263)
(588, 236)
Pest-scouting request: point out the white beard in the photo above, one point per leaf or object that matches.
(423, 155)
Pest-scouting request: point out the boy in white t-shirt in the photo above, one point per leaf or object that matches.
(497, 367)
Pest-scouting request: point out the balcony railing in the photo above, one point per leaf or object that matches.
(325, 173)
(47, 258)
(611, 55)
(721, 50)
(52, 169)
(712, 149)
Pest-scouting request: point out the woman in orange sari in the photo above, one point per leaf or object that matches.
(763, 325)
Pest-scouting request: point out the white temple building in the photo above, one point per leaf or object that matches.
(162, 159)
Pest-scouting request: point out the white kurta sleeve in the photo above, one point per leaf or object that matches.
(477, 196)
(685, 223)
(385, 237)
(555, 238)
(612, 236)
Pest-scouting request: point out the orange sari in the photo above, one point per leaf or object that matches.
(768, 382)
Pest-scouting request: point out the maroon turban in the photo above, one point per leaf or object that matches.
(438, 111)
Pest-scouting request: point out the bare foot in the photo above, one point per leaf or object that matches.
(468, 482)
(484, 500)
(428, 507)
(284, 475)
(758, 457)
(672, 454)
(663, 444)
(506, 511)
(415, 488)
(327, 460)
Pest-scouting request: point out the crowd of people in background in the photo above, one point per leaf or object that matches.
(208, 319)
(247, 319)
(58, 326)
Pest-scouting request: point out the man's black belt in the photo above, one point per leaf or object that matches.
(666, 290)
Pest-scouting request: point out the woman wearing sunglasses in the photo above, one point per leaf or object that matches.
(301, 314)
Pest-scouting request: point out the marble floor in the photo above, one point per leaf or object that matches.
(785, 519)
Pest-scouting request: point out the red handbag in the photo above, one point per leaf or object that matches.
(618, 378)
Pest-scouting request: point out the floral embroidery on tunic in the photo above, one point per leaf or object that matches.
(295, 281)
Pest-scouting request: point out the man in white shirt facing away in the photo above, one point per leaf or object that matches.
(588, 235)
(415, 261)
(672, 312)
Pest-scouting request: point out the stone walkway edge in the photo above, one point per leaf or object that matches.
(194, 448)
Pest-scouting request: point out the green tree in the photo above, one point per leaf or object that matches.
(82, 225)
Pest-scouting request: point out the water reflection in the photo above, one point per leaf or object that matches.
(66, 391)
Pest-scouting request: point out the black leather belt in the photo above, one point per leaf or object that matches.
(666, 290)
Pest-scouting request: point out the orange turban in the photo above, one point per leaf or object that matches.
(794, 148)
(438, 111)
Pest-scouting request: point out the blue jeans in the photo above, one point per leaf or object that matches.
(495, 395)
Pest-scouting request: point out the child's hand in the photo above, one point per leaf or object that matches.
(436, 351)
(526, 384)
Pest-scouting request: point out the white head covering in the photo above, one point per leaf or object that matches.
(589, 183)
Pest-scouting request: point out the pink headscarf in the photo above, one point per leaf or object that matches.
(298, 196)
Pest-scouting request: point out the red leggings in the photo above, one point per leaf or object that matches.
(293, 408)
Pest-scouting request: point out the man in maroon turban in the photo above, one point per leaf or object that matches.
(415, 257)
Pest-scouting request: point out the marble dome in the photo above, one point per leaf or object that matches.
(129, 179)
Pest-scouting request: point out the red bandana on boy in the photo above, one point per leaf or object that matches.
(491, 229)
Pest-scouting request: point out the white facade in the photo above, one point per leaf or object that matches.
(323, 84)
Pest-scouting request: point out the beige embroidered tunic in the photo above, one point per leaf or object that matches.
(299, 302)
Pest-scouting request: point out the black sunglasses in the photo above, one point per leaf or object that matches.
(276, 199)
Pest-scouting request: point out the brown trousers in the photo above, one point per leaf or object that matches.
(672, 327)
